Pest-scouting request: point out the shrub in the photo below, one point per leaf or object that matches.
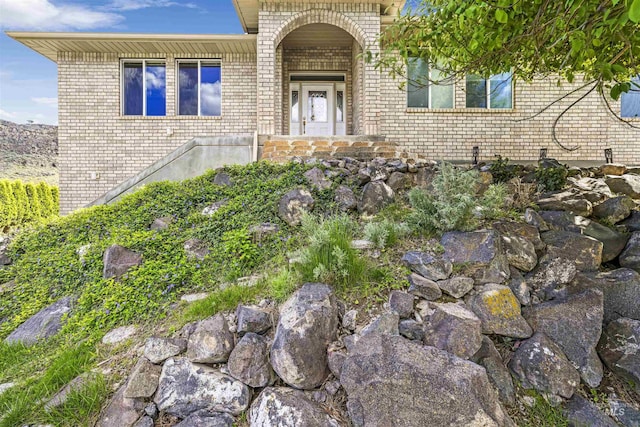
(551, 178)
(502, 171)
(45, 194)
(453, 204)
(8, 211)
(35, 207)
(385, 233)
(22, 202)
(328, 255)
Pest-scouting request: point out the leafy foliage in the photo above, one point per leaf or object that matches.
(22, 204)
(385, 233)
(502, 171)
(551, 178)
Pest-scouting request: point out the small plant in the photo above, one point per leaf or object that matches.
(551, 178)
(501, 170)
(328, 255)
(385, 233)
(493, 201)
(241, 253)
(523, 194)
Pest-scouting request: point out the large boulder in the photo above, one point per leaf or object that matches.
(211, 342)
(518, 229)
(391, 381)
(631, 224)
(569, 201)
(520, 252)
(196, 249)
(345, 199)
(42, 325)
(630, 256)
(540, 364)
(143, 380)
(627, 184)
(375, 196)
(252, 319)
(592, 185)
(207, 419)
(121, 412)
(619, 348)
(550, 278)
(293, 204)
(621, 289)
(118, 260)
(423, 287)
(457, 286)
(187, 387)
(249, 361)
(308, 324)
(316, 179)
(455, 329)
(614, 210)
(585, 252)
(498, 373)
(575, 324)
(427, 265)
(480, 252)
(285, 407)
(582, 412)
(157, 350)
(499, 310)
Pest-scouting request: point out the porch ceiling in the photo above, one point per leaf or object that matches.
(317, 35)
(248, 9)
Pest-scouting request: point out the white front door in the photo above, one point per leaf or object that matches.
(318, 109)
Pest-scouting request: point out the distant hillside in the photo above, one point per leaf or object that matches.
(28, 152)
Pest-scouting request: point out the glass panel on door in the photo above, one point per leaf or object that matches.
(318, 106)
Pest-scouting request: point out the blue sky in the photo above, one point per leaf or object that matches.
(28, 81)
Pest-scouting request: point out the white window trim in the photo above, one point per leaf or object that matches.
(487, 96)
(430, 92)
(144, 84)
(216, 61)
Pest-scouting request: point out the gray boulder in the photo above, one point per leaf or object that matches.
(457, 286)
(308, 324)
(118, 260)
(540, 364)
(187, 387)
(375, 196)
(284, 407)
(580, 412)
(391, 381)
(427, 265)
(498, 374)
(528, 232)
(157, 350)
(207, 419)
(161, 223)
(223, 178)
(550, 278)
(385, 324)
(575, 324)
(121, 412)
(455, 329)
(249, 361)
(534, 219)
(252, 319)
(316, 179)
(624, 413)
(196, 249)
(480, 252)
(626, 184)
(585, 252)
(214, 207)
(614, 210)
(499, 310)
(42, 325)
(143, 380)
(630, 256)
(145, 421)
(620, 350)
(631, 224)
(566, 201)
(211, 342)
(519, 287)
(398, 181)
(411, 329)
(423, 287)
(520, 252)
(118, 335)
(592, 185)
(293, 204)
(401, 303)
(345, 199)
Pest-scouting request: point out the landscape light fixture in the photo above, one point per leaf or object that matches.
(475, 153)
(608, 155)
(543, 154)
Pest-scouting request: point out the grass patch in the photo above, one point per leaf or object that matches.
(81, 407)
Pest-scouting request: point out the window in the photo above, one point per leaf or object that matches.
(421, 92)
(496, 92)
(199, 88)
(630, 101)
(144, 88)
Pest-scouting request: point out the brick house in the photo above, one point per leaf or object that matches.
(296, 82)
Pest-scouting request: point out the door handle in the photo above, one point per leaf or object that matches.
(304, 125)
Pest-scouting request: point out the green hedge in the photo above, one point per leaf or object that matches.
(26, 203)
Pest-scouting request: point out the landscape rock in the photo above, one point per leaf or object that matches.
(186, 387)
(630, 256)
(76, 384)
(498, 374)
(6, 386)
(157, 350)
(550, 278)
(427, 265)
(519, 287)
(211, 342)
(411, 329)
(385, 324)
(455, 329)
(293, 204)
(196, 249)
(480, 252)
(145, 421)
(118, 260)
(625, 414)
(161, 223)
(614, 210)
(345, 199)
(316, 178)
(540, 364)
(252, 319)
(632, 223)
(259, 231)
(499, 311)
(534, 219)
(613, 169)
(143, 380)
(520, 252)
(119, 335)
(121, 412)
(566, 201)
(592, 185)
(575, 325)
(423, 287)
(249, 361)
(581, 412)
(335, 360)
(457, 286)
(401, 303)
(308, 324)
(284, 407)
(398, 181)
(585, 252)
(375, 196)
(42, 325)
(528, 232)
(626, 184)
(223, 178)
(349, 320)
(391, 381)
(4, 251)
(207, 419)
(213, 208)
(619, 348)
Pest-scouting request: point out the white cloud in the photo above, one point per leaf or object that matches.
(7, 115)
(210, 98)
(124, 5)
(53, 102)
(156, 77)
(44, 15)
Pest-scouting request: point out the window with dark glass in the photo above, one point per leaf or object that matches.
(199, 88)
(630, 101)
(144, 88)
(421, 91)
(496, 92)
